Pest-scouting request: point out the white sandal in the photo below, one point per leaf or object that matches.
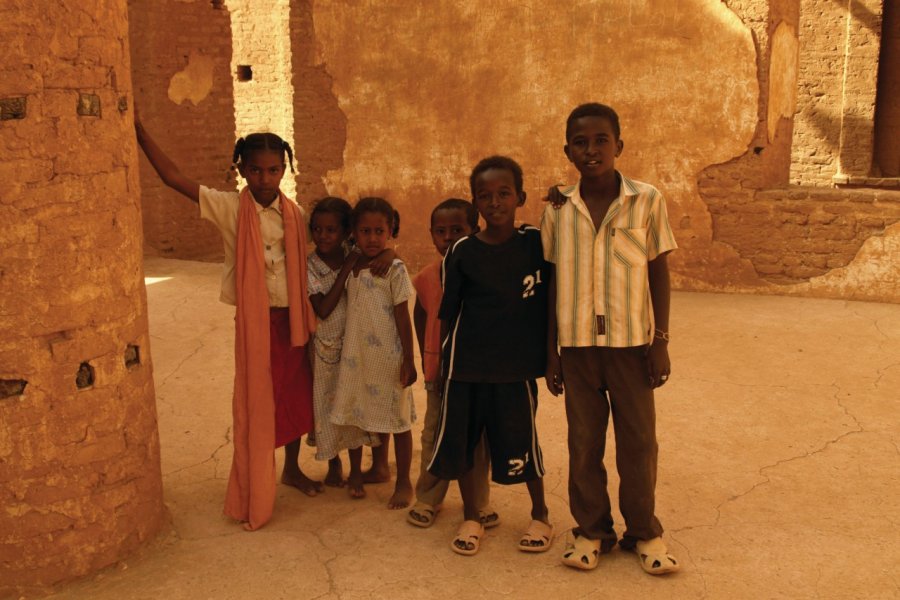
(655, 557)
(581, 552)
(468, 538)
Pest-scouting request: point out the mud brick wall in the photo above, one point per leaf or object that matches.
(320, 127)
(181, 56)
(833, 130)
(80, 482)
(403, 103)
(798, 233)
(263, 96)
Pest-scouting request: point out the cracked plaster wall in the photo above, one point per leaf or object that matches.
(809, 239)
(80, 482)
(262, 41)
(422, 109)
(375, 107)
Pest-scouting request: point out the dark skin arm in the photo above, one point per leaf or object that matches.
(381, 264)
(660, 294)
(553, 376)
(420, 317)
(554, 196)
(324, 304)
(163, 165)
(404, 328)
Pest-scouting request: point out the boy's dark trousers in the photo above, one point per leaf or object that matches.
(598, 379)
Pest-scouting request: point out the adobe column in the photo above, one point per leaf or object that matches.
(80, 477)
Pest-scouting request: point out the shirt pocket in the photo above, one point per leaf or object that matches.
(629, 246)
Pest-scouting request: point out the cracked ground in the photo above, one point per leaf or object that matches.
(779, 472)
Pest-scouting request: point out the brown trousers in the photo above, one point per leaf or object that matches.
(430, 489)
(597, 380)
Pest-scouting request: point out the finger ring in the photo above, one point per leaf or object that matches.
(663, 377)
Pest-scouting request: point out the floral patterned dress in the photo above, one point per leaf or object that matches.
(369, 395)
(330, 438)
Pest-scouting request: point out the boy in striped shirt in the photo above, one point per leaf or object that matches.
(609, 243)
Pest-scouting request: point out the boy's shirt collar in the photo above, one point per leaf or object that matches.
(627, 189)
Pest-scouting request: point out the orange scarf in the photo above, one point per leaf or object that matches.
(251, 488)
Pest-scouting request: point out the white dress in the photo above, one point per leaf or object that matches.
(330, 438)
(369, 394)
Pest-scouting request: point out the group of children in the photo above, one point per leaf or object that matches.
(324, 342)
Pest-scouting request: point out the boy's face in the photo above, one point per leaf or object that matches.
(593, 147)
(447, 226)
(263, 172)
(496, 198)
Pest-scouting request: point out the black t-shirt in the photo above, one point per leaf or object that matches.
(495, 298)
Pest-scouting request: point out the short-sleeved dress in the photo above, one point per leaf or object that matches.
(369, 394)
(330, 438)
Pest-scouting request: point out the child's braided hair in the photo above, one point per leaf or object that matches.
(377, 205)
(256, 142)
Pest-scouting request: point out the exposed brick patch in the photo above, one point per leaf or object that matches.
(794, 233)
(199, 139)
(320, 127)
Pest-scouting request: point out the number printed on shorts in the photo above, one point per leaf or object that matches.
(529, 282)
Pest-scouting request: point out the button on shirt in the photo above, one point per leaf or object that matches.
(602, 285)
(221, 208)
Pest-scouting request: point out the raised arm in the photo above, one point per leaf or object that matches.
(164, 166)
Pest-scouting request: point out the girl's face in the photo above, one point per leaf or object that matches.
(263, 171)
(327, 233)
(372, 233)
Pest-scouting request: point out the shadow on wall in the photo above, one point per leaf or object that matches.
(830, 126)
(863, 14)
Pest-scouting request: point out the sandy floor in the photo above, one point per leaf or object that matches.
(779, 472)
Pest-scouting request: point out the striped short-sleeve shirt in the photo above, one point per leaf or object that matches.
(602, 285)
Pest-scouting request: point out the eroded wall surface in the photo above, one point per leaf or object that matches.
(428, 92)
(181, 53)
(745, 113)
(777, 205)
(79, 455)
(707, 92)
(263, 95)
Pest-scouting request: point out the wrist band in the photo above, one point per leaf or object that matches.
(659, 334)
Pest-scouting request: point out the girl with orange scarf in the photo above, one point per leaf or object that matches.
(264, 277)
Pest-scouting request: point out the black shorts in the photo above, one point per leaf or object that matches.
(505, 413)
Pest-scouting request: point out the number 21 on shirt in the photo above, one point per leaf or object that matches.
(529, 282)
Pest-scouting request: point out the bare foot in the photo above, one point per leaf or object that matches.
(355, 486)
(303, 483)
(376, 475)
(403, 493)
(335, 476)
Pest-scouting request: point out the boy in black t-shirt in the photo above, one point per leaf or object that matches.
(494, 323)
